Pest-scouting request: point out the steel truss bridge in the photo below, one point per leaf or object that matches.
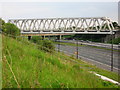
(62, 26)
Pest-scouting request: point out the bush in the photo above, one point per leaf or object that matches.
(36, 39)
(11, 29)
(45, 45)
(115, 41)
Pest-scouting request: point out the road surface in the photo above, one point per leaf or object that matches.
(90, 53)
(104, 45)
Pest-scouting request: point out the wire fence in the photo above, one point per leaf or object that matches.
(97, 54)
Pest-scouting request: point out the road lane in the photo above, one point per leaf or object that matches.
(104, 45)
(96, 54)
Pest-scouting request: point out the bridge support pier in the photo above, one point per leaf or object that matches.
(43, 37)
(59, 37)
(29, 37)
(48, 37)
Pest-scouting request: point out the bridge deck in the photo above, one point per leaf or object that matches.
(60, 33)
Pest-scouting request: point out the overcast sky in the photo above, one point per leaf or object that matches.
(19, 10)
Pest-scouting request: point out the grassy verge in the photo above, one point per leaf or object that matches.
(25, 66)
(70, 44)
(89, 67)
(0, 61)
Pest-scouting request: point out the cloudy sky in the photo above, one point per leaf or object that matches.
(19, 10)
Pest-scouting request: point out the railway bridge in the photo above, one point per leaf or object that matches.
(64, 26)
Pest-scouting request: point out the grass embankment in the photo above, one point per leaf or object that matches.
(70, 44)
(25, 66)
(0, 61)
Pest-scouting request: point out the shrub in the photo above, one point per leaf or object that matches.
(36, 39)
(115, 41)
(46, 45)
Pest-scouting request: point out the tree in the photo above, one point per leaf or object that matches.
(11, 29)
(2, 24)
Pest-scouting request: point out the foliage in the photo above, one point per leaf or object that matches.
(11, 29)
(2, 24)
(115, 41)
(115, 24)
(45, 45)
(36, 39)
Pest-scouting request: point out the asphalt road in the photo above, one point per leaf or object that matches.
(104, 45)
(91, 53)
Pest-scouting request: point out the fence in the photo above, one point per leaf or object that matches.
(97, 53)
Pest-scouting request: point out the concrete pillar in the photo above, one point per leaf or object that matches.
(57, 37)
(29, 37)
(44, 36)
(60, 37)
(49, 37)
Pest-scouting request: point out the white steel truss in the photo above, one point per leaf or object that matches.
(94, 25)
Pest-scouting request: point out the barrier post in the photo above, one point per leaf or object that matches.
(77, 49)
(112, 51)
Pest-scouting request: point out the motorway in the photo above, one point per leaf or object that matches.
(92, 54)
(103, 45)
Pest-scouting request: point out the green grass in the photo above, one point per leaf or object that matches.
(0, 61)
(34, 68)
(70, 44)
